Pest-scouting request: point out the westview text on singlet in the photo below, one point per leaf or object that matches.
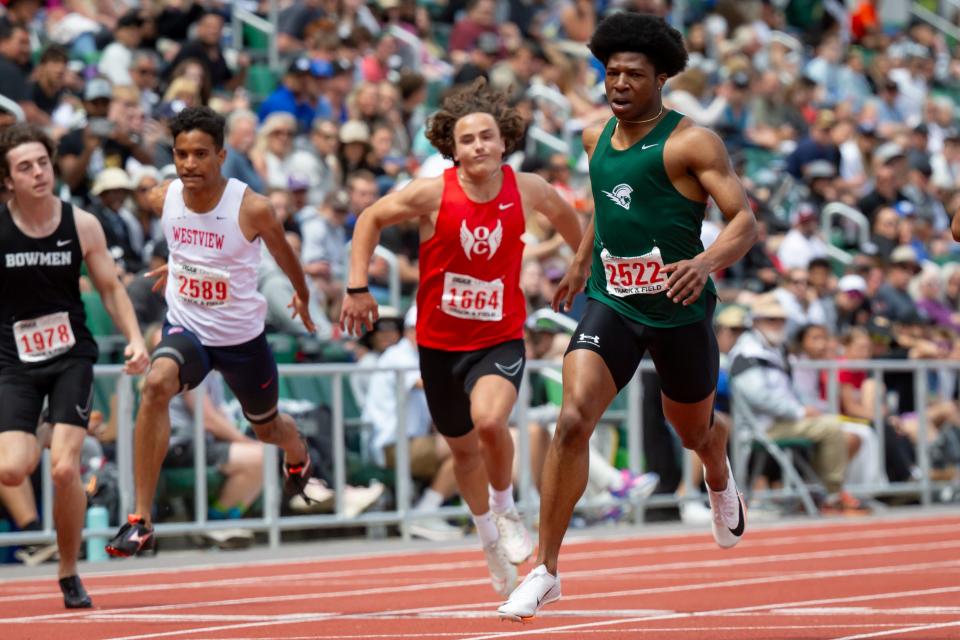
(212, 271)
(469, 296)
(642, 223)
(41, 311)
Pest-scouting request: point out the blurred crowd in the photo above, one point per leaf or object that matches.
(840, 117)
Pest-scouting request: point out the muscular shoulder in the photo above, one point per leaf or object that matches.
(89, 230)
(532, 185)
(590, 137)
(254, 204)
(422, 194)
(695, 146)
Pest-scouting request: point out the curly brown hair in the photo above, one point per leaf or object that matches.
(476, 97)
(18, 134)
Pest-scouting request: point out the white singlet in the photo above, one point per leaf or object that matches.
(212, 279)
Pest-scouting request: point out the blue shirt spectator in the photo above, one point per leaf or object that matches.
(295, 96)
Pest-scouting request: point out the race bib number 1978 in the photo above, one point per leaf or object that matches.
(472, 299)
(634, 276)
(42, 338)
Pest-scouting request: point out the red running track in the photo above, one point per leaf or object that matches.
(847, 579)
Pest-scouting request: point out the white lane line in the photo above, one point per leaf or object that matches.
(615, 571)
(720, 612)
(896, 632)
(788, 578)
(899, 528)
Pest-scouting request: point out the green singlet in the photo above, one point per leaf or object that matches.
(642, 223)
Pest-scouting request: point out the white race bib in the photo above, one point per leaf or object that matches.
(634, 276)
(45, 337)
(472, 299)
(205, 286)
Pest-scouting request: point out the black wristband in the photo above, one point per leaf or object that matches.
(352, 290)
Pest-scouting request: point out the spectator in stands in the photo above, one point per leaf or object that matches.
(922, 192)
(48, 87)
(104, 142)
(274, 156)
(799, 301)
(893, 299)
(819, 145)
(886, 231)
(324, 250)
(110, 192)
(293, 23)
(889, 177)
(823, 287)
(930, 301)
(946, 164)
(15, 69)
(207, 49)
(851, 303)
(386, 332)
(480, 60)
(362, 187)
(854, 154)
(145, 74)
(516, 72)
(241, 133)
(149, 230)
(766, 402)
(480, 18)
(323, 145)
(354, 147)
(297, 94)
(150, 306)
(804, 241)
(757, 270)
(117, 57)
(430, 458)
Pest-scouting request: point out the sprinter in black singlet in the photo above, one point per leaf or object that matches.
(46, 350)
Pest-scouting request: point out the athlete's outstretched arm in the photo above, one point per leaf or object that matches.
(103, 273)
(420, 198)
(707, 160)
(257, 214)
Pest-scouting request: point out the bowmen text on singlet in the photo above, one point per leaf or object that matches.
(212, 278)
(642, 223)
(41, 312)
(469, 296)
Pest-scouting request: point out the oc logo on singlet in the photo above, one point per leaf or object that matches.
(481, 240)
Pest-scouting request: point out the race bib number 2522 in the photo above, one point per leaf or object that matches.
(640, 275)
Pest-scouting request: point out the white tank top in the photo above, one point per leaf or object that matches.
(212, 281)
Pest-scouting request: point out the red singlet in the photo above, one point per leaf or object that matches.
(469, 296)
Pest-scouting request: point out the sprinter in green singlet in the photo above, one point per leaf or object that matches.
(648, 284)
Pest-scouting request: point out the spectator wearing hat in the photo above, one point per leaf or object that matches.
(104, 142)
(274, 155)
(241, 133)
(354, 147)
(851, 303)
(889, 177)
(766, 402)
(297, 93)
(893, 299)
(820, 177)
(803, 242)
(110, 191)
(206, 48)
(818, 145)
(15, 68)
(117, 57)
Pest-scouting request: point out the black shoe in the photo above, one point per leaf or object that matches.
(296, 477)
(74, 595)
(134, 538)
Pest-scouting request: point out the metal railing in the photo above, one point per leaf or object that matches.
(402, 515)
(393, 266)
(268, 27)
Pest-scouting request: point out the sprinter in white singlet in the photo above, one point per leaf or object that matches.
(215, 318)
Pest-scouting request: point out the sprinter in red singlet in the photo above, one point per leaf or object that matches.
(470, 309)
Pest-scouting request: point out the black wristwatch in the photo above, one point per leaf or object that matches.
(353, 290)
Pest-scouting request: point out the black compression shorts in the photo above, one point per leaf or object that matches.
(68, 385)
(449, 376)
(687, 358)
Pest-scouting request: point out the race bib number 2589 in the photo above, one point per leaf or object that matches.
(205, 286)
